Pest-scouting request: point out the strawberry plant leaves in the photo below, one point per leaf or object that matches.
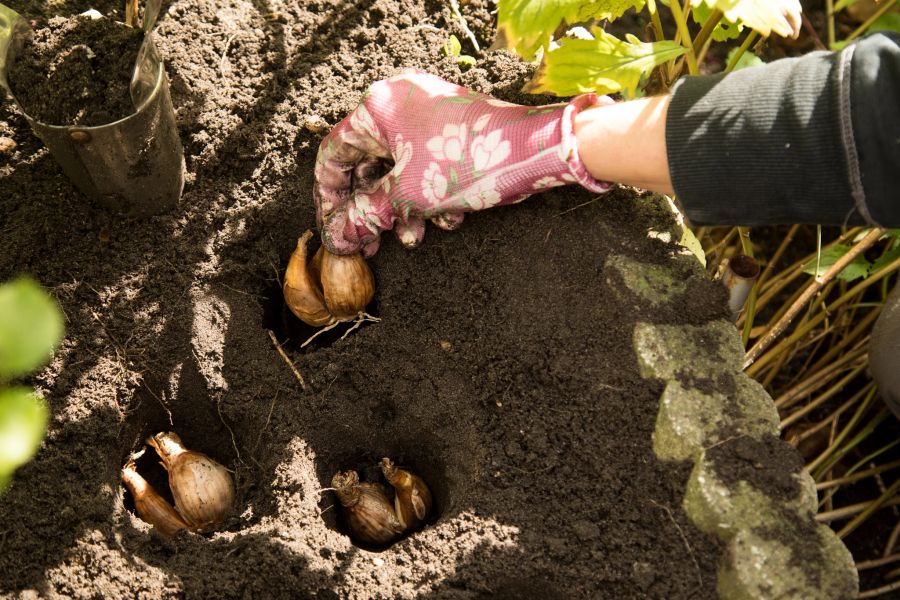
(765, 16)
(527, 25)
(858, 267)
(30, 327)
(604, 65)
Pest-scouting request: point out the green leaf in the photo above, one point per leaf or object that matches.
(889, 21)
(884, 260)
(526, 25)
(764, 16)
(604, 65)
(30, 327)
(466, 60)
(23, 420)
(748, 59)
(452, 47)
(858, 267)
(722, 32)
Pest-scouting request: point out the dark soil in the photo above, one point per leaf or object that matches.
(77, 71)
(501, 372)
(769, 465)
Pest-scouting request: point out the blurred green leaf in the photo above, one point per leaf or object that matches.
(885, 259)
(889, 21)
(23, 420)
(604, 65)
(765, 16)
(526, 25)
(31, 325)
(858, 267)
(748, 59)
(466, 60)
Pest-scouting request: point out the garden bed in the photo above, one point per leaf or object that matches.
(503, 370)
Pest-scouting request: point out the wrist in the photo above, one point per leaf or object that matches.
(625, 142)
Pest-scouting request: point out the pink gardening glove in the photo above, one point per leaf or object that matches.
(419, 147)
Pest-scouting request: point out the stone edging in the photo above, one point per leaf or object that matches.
(762, 533)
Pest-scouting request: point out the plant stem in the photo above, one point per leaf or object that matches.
(816, 285)
(829, 18)
(880, 416)
(837, 387)
(846, 512)
(887, 497)
(805, 329)
(681, 22)
(833, 416)
(454, 7)
(865, 26)
(707, 30)
(788, 238)
(746, 244)
(892, 540)
(816, 379)
(654, 17)
(751, 37)
(857, 415)
(857, 476)
(879, 591)
(866, 460)
(749, 315)
(863, 325)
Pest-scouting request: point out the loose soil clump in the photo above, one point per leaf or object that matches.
(77, 71)
(502, 371)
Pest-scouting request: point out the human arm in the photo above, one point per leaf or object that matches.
(814, 139)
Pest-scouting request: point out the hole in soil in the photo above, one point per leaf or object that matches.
(369, 470)
(206, 436)
(292, 332)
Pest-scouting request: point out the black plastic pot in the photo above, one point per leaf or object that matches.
(133, 166)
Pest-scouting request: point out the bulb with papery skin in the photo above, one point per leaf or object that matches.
(329, 288)
(367, 511)
(202, 488)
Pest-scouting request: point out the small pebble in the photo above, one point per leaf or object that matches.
(7, 145)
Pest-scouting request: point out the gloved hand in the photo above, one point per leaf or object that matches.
(419, 147)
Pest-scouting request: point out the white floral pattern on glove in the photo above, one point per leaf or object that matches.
(434, 184)
(403, 151)
(547, 182)
(489, 150)
(483, 194)
(449, 145)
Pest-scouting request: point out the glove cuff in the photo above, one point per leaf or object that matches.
(570, 143)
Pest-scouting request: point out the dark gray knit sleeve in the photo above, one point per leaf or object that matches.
(814, 139)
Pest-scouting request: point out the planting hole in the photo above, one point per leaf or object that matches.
(369, 471)
(292, 333)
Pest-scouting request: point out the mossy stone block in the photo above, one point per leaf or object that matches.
(665, 351)
(690, 420)
(760, 566)
(723, 510)
(653, 284)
